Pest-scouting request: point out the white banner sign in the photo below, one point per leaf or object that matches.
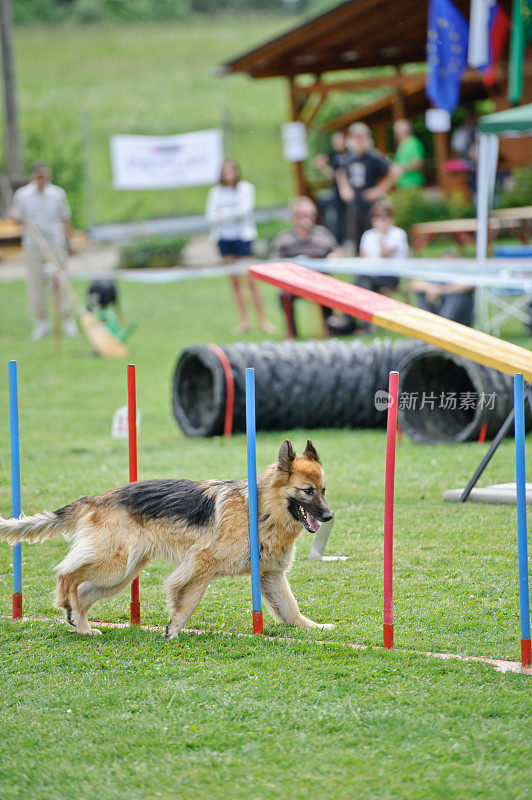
(166, 162)
(294, 136)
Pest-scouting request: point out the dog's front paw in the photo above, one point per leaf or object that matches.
(305, 622)
(89, 631)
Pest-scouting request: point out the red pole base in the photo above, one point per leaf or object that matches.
(134, 605)
(134, 612)
(17, 606)
(526, 653)
(257, 623)
(387, 635)
(483, 431)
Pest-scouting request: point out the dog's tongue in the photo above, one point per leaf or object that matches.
(312, 523)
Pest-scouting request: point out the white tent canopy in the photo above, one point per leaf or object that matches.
(511, 122)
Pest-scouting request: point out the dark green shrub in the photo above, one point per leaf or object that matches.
(521, 193)
(153, 251)
(41, 11)
(92, 11)
(214, 6)
(416, 206)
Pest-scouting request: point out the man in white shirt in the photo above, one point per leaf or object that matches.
(46, 206)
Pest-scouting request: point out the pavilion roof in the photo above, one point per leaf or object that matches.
(352, 35)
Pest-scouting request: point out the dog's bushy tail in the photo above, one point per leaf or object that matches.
(37, 528)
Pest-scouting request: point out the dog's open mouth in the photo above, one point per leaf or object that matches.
(309, 522)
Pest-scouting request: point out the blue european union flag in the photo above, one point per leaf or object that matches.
(447, 37)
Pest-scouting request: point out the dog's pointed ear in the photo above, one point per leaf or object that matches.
(311, 453)
(286, 456)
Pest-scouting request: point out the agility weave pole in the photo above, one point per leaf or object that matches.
(385, 312)
(520, 485)
(391, 436)
(252, 501)
(15, 485)
(134, 605)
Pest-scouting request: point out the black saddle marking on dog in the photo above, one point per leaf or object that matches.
(166, 498)
(64, 511)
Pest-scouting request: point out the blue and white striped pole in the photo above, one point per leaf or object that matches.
(252, 501)
(520, 485)
(15, 486)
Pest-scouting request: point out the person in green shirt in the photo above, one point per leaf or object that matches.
(409, 156)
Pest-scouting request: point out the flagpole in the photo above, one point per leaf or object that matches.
(516, 55)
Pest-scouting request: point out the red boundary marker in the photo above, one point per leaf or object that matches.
(258, 628)
(229, 388)
(391, 437)
(482, 433)
(134, 605)
(17, 606)
(526, 653)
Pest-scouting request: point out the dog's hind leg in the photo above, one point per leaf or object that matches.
(63, 597)
(105, 583)
(186, 586)
(282, 603)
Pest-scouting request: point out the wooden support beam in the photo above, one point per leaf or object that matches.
(309, 118)
(441, 152)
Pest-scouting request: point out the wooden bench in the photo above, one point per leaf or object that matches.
(516, 221)
(11, 238)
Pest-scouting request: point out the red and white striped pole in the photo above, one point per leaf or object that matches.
(391, 434)
(134, 606)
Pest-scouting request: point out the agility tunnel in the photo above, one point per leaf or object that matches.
(335, 384)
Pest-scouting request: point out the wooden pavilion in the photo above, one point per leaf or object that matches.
(357, 35)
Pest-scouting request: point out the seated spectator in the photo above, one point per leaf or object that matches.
(305, 238)
(409, 156)
(382, 240)
(450, 300)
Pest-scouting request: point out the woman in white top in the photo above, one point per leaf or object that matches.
(230, 206)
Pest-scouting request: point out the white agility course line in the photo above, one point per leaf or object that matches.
(501, 665)
(503, 273)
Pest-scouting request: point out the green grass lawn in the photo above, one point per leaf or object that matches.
(129, 715)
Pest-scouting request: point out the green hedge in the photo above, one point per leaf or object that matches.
(521, 193)
(93, 11)
(152, 252)
(414, 206)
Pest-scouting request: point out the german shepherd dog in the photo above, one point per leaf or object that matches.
(200, 526)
